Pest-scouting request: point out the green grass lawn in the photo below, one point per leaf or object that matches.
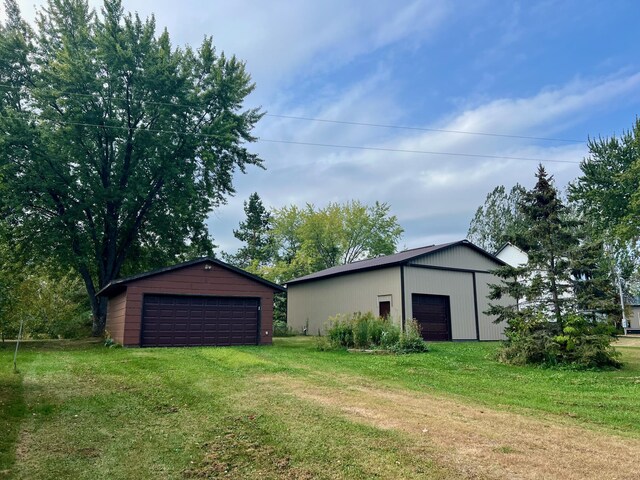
(80, 410)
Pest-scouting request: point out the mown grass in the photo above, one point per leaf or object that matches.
(79, 410)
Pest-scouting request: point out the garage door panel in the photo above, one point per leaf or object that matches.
(433, 317)
(185, 320)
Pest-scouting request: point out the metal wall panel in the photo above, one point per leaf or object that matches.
(459, 256)
(311, 303)
(458, 286)
(488, 329)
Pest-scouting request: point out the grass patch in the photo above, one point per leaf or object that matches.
(12, 412)
(79, 410)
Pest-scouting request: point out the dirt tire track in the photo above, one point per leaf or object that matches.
(479, 441)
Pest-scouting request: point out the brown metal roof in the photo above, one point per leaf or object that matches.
(401, 258)
(116, 286)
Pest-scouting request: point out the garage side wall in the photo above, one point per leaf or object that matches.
(196, 280)
(488, 329)
(458, 286)
(311, 303)
(116, 311)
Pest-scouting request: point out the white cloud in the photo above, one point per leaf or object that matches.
(434, 196)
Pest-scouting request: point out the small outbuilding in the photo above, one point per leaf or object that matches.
(196, 303)
(634, 320)
(444, 287)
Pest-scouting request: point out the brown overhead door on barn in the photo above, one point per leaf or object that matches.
(432, 314)
(179, 321)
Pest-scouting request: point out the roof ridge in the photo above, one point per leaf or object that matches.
(382, 261)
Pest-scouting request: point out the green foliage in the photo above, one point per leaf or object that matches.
(499, 220)
(594, 281)
(551, 240)
(281, 329)
(565, 274)
(258, 249)
(115, 146)
(581, 344)
(51, 307)
(607, 193)
(608, 190)
(366, 331)
(410, 340)
(309, 239)
(340, 331)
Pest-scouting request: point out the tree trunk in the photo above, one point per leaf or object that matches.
(99, 316)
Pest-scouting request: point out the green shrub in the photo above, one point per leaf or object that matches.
(340, 332)
(580, 343)
(281, 329)
(367, 331)
(389, 336)
(361, 330)
(411, 340)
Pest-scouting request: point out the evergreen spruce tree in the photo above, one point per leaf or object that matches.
(561, 280)
(254, 231)
(551, 240)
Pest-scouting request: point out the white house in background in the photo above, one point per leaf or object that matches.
(515, 257)
(512, 255)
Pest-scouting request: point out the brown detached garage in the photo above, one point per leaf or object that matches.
(196, 303)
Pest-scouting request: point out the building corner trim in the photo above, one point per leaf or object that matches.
(475, 305)
(402, 315)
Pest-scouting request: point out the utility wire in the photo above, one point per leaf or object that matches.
(423, 129)
(422, 152)
(346, 122)
(328, 145)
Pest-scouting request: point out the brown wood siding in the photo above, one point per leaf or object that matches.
(115, 317)
(196, 280)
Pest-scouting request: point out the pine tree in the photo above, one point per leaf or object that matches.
(551, 240)
(254, 231)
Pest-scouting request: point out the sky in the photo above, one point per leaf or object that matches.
(556, 72)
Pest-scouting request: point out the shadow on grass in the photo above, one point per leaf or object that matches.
(12, 411)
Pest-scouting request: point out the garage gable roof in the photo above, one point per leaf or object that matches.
(396, 259)
(117, 286)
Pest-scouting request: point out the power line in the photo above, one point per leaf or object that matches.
(424, 129)
(347, 122)
(329, 145)
(423, 152)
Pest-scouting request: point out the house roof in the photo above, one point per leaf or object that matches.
(508, 244)
(396, 259)
(116, 286)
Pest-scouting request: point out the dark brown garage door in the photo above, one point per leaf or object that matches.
(180, 321)
(432, 314)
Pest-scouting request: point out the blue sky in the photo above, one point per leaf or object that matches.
(557, 69)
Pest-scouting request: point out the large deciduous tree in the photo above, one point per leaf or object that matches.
(291, 241)
(115, 145)
(313, 239)
(608, 195)
(499, 219)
